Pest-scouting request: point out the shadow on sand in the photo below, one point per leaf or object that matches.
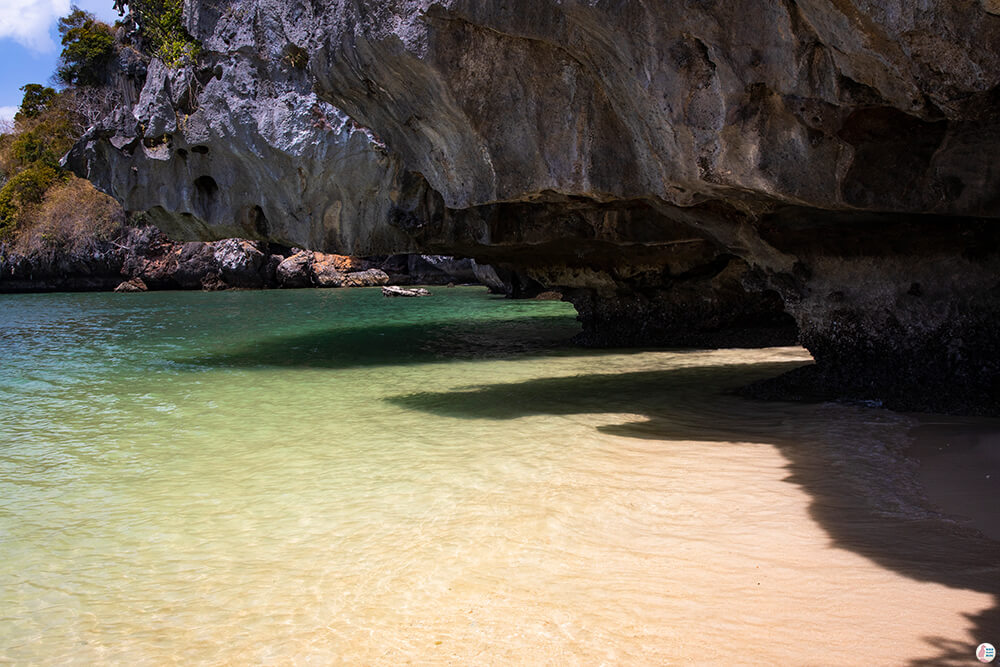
(829, 460)
(685, 403)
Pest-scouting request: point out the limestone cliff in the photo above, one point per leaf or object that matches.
(687, 171)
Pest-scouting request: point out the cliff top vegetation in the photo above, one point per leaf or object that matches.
(159, 25)
(42, 205)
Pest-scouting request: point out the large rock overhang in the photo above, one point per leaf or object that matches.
(674, 167)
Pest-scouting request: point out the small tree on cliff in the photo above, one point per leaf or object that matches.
(37, 100)
(88, 49)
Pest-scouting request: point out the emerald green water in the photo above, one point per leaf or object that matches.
(326, 476)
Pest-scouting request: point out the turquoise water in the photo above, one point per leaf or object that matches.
(317, 476)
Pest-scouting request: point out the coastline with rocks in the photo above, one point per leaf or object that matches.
(145, 259)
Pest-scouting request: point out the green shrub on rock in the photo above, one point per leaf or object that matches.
(38, 199)
(22, 193)
(72, 218)
(88, 49)
(160, 24)
(37, 100)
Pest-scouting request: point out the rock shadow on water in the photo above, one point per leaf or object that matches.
(399, 344)
(854, 486)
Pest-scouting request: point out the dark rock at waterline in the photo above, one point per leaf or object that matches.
(709, 308)
(97, 269)
(151, 256)
(271, 269)
(487, 275)
(511, 282)
(900, 311)
(144, 255)
(429, 270)
(440, 270)
(196, 266)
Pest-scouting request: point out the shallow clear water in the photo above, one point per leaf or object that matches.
(330, 476)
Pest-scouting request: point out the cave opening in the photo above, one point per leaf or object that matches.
(206, 192)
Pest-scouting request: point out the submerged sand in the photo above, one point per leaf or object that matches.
(290, 500)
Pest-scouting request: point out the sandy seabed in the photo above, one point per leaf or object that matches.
(565, 507)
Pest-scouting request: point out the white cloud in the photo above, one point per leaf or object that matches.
(7, 114)
(28, 21)
(6, 119)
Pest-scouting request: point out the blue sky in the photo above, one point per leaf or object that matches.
(29, 43)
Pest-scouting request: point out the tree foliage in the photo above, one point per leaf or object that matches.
(160, 24)
(36, 101)
(22, 193)
(33, 186)
(44, 129)
(74, 218)
(88, 49)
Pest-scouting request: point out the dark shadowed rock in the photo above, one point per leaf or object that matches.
(440, 270)
(513, 282)
(196, 266)
(96, 267)
(271, 270)
(488, 276)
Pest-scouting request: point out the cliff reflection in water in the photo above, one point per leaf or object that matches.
(283, 477)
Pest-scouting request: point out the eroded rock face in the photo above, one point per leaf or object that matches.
(296, 271)
(98, 269)
(241, 263)
(900, 311)
(680, 170)
(367, 278)
(195, 264)
(326, 270)
(242, 147)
